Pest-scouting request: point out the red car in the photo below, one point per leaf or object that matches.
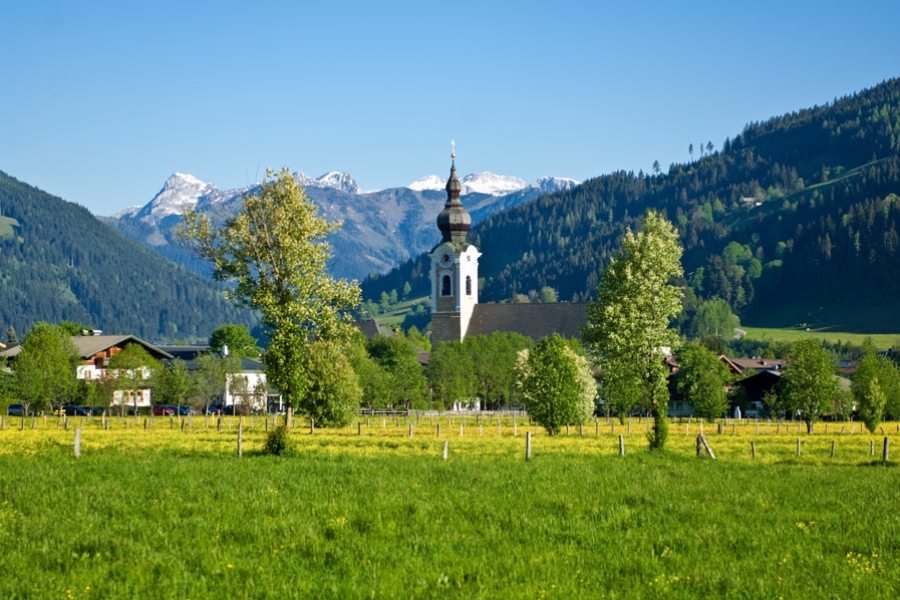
(162, 411)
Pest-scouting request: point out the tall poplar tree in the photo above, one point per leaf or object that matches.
(628, 326)
(274, 252)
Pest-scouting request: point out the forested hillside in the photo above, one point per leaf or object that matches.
(795, 219)
(59, 262)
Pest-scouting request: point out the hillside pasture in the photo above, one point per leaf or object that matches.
(882, 341)
(370, 511)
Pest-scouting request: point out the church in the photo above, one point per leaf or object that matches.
(455, 310)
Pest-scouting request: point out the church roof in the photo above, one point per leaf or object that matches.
(532, 320)
(454, 221)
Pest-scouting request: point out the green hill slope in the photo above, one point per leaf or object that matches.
(795, 219)
(59, 262)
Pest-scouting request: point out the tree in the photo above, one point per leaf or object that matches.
(714, 317)
(493, 359)
(450, 373)
(237, 338)
(333, 395)
(620, 388)
(876, 380)
(808, 384)
(44, 371)
(556, 384)
(628, 327)
(208, 380)
(702, 378)
(172, 384)
(691, 151)
(11, 338)
(399, 360)
(275, 254)
(656, 168)
(134, 369)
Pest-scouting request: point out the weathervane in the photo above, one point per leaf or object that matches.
(453, 149)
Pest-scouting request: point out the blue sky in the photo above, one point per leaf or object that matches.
(101, 101)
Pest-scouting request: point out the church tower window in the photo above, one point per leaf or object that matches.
(445, 285)
(468, 285)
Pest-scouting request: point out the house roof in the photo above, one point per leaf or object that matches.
(185, 352)
(89, 345)
(532, 320)
(758, 364)
(370, 328)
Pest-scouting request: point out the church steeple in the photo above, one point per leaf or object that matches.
(453, 221)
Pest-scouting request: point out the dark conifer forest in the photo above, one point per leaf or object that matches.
(794, 219)
(58, 262)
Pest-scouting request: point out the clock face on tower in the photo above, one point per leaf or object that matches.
(445, 260)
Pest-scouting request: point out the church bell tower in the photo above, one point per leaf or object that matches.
(454, 268)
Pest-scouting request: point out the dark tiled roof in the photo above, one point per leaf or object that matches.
(185, 352)
(532, 320)
(370, 328)
(89, 345)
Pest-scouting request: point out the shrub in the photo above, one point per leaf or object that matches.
(278, 443)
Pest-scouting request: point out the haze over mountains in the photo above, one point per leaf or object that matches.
(381, 228)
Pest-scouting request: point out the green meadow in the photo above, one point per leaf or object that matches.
(370, 511)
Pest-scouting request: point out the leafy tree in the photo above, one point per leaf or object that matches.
(450, 374)
(620, 387)
(714, 318)
(808, 384)
(876, 380)
(237, 338)
(208, 380)
(628, 326)
(556, 384)
(702, 378)
(275, 253)
(11, 338)
(493, 359)
(416, 337)
(399, 359)
(333, 395)
(134, 369)
(72, 328)
(45, 368)
(172, 384)
(373, 380)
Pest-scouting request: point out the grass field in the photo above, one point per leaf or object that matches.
(882, 341)
(373, 512)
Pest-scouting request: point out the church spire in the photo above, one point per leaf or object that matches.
(453, 221)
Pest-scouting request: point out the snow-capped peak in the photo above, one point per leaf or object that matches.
(180, 191)
(490, 183)
(333, 179)
(429, 182)
(552, 184)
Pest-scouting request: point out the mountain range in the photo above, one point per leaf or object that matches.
(381, 229)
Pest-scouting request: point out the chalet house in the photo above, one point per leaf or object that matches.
(96, 350)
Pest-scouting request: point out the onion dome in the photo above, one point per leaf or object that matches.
(453, 221)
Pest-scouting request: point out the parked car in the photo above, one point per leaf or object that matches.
(184, 410)
(16, 410)
(159, 410)
(97, 411)
(132, 412)
(76, 411)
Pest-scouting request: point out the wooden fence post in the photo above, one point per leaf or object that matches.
(439, 430)
(597, 426)
(753, 449)
(241, 438)
(446, 445)
(621, 445)
(884, 454)
(515, 428)
(410, 430)
(78, 442)
(871, 447)
(312, 426)
(527, 445)
(832, 448)
(798, 446)
(462, 427)
(359, 428)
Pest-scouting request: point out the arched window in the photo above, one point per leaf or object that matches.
(445, 285)
(468, 285)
